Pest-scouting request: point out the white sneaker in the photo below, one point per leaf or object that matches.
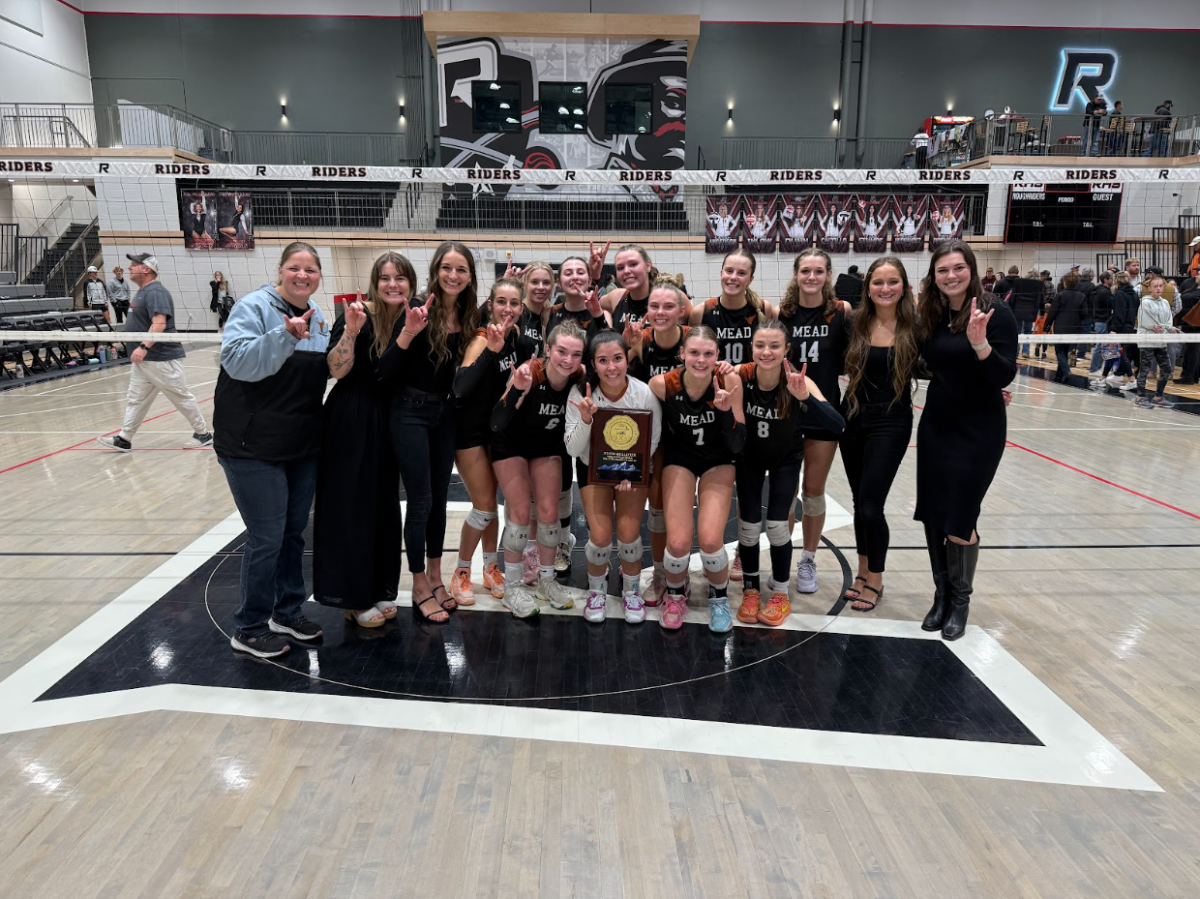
(595, 608)
(657, 591)
(1114, 381)
(806, 576)
(1098, 383)
(199, 441)
(562, 558)
(551, 591)
(1128, 385)
(635, 608)
(519, 600)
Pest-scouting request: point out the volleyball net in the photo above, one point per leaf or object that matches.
(227, 225)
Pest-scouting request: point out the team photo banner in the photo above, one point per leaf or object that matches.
(100, 168)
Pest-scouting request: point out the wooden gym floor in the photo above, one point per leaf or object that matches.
(1055, 757)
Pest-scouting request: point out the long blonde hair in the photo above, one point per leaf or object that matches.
(529, 270)
(468, 306)
(903, 354)
(791, 298)
(383, 315)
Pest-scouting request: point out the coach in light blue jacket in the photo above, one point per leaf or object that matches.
(267, 418)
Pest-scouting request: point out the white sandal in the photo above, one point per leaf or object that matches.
(387, 608)
(369, 617)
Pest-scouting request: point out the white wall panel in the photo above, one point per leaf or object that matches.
(51, 67)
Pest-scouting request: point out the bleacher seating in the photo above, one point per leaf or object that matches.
(29, 306)
(32, 357)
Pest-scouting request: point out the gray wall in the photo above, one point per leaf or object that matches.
(338, 74)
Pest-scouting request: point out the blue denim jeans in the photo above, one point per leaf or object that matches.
(1025, 328)
(274, 499)
(1094, 365)
(422, 431)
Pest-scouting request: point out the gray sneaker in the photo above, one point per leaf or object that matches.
(551, 591)
(562, 556)
(806, 576)
(199, 441)
(519, 600)
(116, 442)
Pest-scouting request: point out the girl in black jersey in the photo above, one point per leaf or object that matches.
(421, 363)
(778, 402)
(735, 314)
(880, 364)
(636, 274)
(655, 350)
(527, 450)
(487, 365)
(580, 302)
(537, 278)
(818, 332)
(703, 429)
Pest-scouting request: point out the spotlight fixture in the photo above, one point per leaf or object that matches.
(401, 110)
(283, 110)
(837, 115)
(731, 113)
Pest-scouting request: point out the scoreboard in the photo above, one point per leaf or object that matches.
(1063, 213)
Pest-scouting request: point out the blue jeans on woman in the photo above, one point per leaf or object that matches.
(1097, 361)
(422, 431)
(275, 499)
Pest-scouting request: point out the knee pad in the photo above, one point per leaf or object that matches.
(630, 552)
(597, 555)
(812, 506)
(548, 533)
(564, 504)
(715, 562)
(479, 519)
(656, 521)
(515, 537)
(778, 533)
(675, 564)
(748, 532)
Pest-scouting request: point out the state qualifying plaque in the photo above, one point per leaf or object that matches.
(620, 449)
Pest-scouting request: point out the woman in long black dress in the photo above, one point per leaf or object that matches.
(357, 525)
(970, 349)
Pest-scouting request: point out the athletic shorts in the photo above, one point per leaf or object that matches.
(504, 447)
(694, 462)
(818, 434)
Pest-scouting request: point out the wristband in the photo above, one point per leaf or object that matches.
(143, 346)
(979, 348)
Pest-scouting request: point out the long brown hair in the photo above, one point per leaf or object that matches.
(468, 305)
(791, 299)
(903, 354)
(383, 315)
(751, 297)
(934, 303)
(783, 400)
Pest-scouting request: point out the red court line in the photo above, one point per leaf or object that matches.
(85, 442)
(1097, 477)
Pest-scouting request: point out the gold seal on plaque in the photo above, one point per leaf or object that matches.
(621, 432)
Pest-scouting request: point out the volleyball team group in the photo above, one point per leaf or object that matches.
(744, 398)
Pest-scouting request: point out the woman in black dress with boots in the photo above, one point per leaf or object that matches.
(969, 343)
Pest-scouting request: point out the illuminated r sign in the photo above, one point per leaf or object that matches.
(1086, 72)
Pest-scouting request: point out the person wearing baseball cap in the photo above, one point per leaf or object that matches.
(1194, 266)
(157, 367)
(95, 294)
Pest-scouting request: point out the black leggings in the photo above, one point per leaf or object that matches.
(873, 445)
(422, 431)
(781, 495)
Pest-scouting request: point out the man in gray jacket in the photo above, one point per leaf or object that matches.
(118, 293)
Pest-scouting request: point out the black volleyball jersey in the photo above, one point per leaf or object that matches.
(819, 341)
(559, 313)
(734, 327)
(691, 427)
(490, 375)
(772, 438)
(628, 309)
(530, 325)
(654, 359)
(540, 418)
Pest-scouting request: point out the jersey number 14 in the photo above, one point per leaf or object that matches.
(808, 352)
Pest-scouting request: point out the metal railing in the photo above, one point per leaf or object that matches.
(320, 148)
(64, 277)
(9, 233)
(37, 125)
(30, 252)
(1065, 135)
(815, 152)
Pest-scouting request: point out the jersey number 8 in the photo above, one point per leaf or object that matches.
(764, 430)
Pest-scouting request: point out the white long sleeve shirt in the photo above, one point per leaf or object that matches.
(1153, 312)
(637, 395)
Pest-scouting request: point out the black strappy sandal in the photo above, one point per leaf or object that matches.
(449, 603)
(852, 589)
(869, 603)
(421, 615)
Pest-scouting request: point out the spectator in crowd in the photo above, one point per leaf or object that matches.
(1193, 269)
(1004, 285)
(1025, 299)
(1133, 268)
(1159, 143)
(1154, 319)
(1122, 321)
(1116, 127)
(1066, 317)
(1168, 290)
(988, 280)
(849, 286)
(1093, 117)
(920, 145)
(1087, 286)
(1102, 307)
(1048, 290)
(1039, 327)
(1190, 309)
(118, 292)
(95, 294)
(157, 367)
(609, 283)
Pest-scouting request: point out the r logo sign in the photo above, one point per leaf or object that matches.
(1084, 73)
